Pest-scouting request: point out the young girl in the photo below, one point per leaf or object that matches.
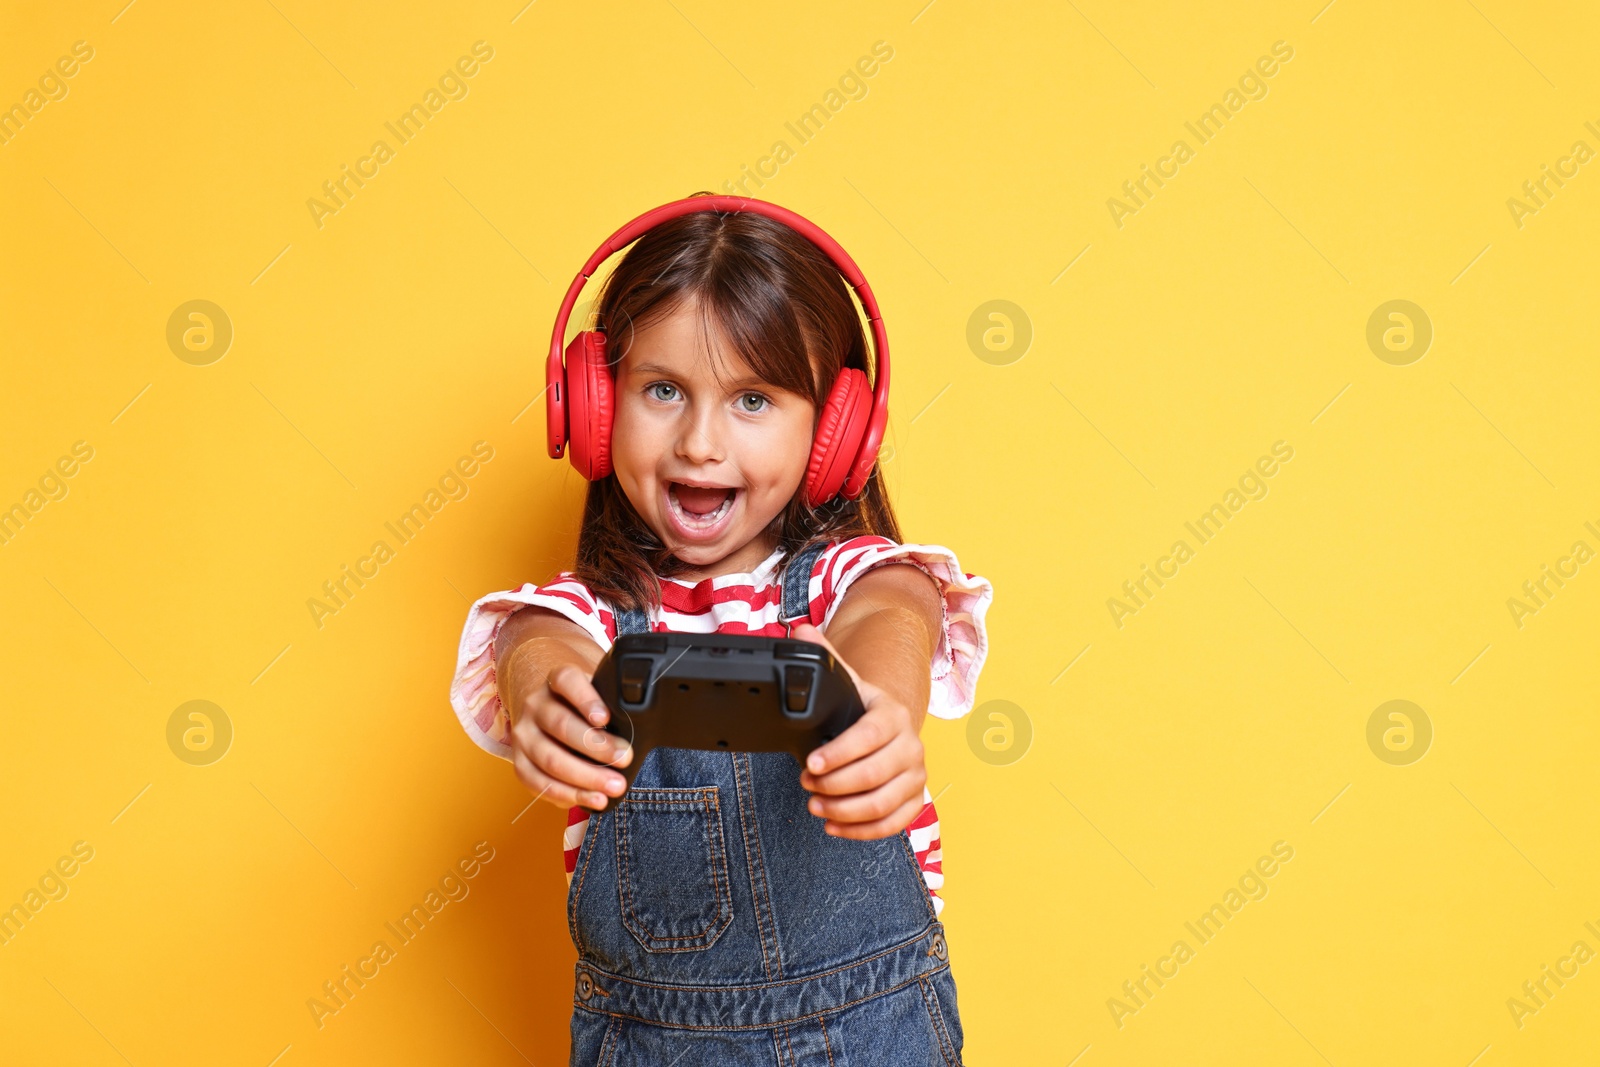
(733, 907)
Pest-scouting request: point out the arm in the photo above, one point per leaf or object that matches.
(889, 625)
(544, 666)
(868, 782)
(530, 646)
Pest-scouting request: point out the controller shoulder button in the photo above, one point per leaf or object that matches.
(797, 683)
(643, 643)
(633, 678)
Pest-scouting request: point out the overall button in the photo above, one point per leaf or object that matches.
(585, 985)
(939, 948)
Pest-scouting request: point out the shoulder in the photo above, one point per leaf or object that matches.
(844, 563)
(567, 596)
(850, 558)
(848, 555)
(564, 585)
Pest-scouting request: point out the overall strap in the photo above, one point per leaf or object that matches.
(796, 581)
(632, 621)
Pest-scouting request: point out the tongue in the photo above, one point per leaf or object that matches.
(700, 501)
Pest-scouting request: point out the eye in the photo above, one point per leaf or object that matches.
(757, 396)
(649, 390)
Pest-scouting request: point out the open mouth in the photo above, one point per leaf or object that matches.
(700, 511)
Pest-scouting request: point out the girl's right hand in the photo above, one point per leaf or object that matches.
(559, 754)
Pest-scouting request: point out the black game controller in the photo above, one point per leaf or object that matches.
(723, 693)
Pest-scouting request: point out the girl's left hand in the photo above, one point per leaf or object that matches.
(867, 782)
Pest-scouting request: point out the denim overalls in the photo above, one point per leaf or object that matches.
(717, 924)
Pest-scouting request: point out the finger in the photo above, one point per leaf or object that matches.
(565, 766)
(552, 715)
(891, 824)
(902, 753)
(577, 688)
(876, 728)
(548, 788)
(870, 804)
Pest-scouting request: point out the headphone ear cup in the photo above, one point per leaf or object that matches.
(839, 435)
(589, 403)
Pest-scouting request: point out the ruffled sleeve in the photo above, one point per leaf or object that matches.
(963, 641)
(474, 691)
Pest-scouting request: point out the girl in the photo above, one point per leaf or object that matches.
(733, 908)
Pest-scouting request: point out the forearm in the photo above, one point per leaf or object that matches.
(887, 628)
(891, 647)
(531, 644)
(870, 781)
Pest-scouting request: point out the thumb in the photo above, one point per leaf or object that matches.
(804, 631)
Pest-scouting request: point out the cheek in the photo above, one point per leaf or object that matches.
(802, 433)
(784, 466)
(632, 445)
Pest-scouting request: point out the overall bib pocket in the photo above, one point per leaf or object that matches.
(672, 869)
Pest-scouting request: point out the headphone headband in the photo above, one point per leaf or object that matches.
(555, 402)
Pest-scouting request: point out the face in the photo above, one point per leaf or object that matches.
(684, 446)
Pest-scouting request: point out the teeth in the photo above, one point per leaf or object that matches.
(709, 519)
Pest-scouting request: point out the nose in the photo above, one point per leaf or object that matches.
(698, 443)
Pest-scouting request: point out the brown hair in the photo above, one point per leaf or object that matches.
(786, 310)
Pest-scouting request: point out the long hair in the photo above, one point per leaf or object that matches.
(789, 314)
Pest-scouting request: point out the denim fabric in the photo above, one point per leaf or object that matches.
(717, 924)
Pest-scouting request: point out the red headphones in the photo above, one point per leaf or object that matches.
(578, 396)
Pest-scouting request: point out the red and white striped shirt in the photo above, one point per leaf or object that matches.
(748, 603)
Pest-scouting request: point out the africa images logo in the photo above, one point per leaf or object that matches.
(1252, 85)
(452, 85)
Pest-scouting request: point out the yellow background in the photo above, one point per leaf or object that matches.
(1229, 313)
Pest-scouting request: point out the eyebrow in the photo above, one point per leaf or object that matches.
(656, 368)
